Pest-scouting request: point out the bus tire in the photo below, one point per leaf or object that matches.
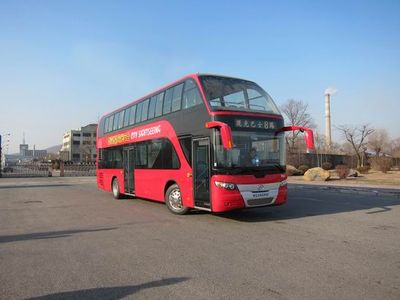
(173, 200)
(115, 189)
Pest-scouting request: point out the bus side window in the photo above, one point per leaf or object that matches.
(110, 158)
(106, 124)
(145, 109)
(117, 161)
(133, 115)
(186, 144)
(152, 107)
(139, 112)
(110, 123)
(191, 95)
(159, 104)
(121, 119)
(141, 155)
(116, 121)
(168, 101)
(177, 97)
(127, 116)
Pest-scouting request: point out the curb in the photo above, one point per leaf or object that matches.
(348, 189)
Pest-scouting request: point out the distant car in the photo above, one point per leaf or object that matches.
(8, 169)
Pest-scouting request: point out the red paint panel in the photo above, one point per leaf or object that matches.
(145, 178)
(150, 184)
(107, 176)
(226, 200)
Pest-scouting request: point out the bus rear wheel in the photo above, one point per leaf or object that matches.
(115, 189)
(173, 200)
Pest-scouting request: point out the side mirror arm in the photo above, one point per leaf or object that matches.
(226, 133)
(308, 135)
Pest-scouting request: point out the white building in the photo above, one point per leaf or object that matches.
(79, 145)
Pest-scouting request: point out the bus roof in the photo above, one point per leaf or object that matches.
(191, 75)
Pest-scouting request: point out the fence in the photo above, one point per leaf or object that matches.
(44, 169)
(27, 170)
(316, 160)
(84, 169)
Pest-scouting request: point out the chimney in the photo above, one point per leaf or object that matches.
(328, 120)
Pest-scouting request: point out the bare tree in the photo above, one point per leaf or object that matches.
(356, 136)
(346, 148)
(86, 152)
(378, 141)
(395, 147)
(319, 142)
(296, 113)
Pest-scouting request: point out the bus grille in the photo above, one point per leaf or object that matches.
(262, 201)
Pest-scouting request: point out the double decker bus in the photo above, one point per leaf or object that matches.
(206, 142)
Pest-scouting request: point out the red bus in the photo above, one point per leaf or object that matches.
(205, 142)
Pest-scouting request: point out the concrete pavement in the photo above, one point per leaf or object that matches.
(61, 238)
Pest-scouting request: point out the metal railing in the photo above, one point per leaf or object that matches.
(48, 169)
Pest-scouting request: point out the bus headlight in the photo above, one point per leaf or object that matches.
(283, 183)
(225, 185)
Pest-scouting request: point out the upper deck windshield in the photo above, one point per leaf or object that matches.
(224, 93)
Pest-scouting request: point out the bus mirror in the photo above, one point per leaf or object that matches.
(225, 130)
(308, 135)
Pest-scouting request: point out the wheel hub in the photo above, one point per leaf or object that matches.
(175, 199)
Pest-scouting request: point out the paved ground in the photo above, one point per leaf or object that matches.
(62, 238)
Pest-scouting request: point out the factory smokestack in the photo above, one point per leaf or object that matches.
(328, 133)
(328, 120)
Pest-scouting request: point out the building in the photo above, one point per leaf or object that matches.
(23, 148)
(25, 154)
(79, 145)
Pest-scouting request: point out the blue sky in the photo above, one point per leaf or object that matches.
(65, 63)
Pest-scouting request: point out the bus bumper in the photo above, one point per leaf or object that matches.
(248, 192)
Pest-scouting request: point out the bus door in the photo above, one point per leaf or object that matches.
(129, 163)
(201, 172)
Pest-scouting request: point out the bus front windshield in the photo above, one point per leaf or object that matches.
(250, 150)
(225, 93)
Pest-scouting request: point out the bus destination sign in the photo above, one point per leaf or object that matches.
(256, 124)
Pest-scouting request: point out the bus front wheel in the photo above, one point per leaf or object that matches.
(173, 200)
(115, 189)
